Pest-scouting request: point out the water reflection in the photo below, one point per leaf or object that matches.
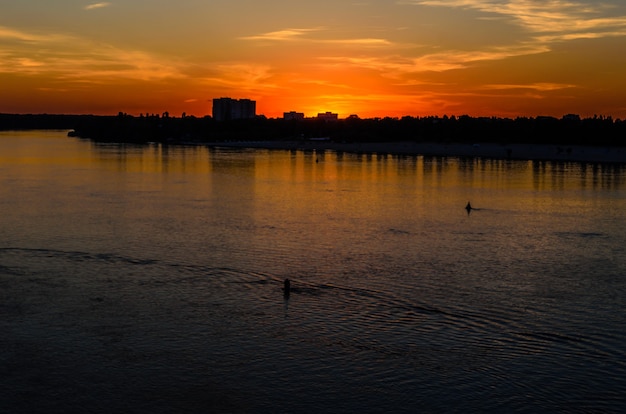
(577, 176)
(330, 166)
(153, 158)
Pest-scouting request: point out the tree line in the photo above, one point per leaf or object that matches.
(568, 130)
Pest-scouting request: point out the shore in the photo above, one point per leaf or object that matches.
(532, 152)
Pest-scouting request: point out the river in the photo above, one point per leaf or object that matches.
(147, 279)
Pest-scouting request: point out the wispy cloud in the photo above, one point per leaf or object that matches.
(282, 35)
(450, 60)
(542, 86)
(544, 23)
(359, 42)
(400, 66)
(9, 34)
(100, 5)
(243, 76)
(301, 35)
(71, 58)
(564, 17)
(74, 61)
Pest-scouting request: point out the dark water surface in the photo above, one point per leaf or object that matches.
(147, 279)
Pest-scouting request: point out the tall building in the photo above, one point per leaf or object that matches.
(226, 109)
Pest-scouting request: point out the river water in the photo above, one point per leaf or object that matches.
(147, 279)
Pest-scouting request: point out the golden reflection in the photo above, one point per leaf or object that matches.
(315, 170)
(155, 158)
(576, 176)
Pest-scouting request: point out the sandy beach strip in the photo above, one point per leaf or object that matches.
(531, 152)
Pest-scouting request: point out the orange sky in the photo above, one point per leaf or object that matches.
(373, 58)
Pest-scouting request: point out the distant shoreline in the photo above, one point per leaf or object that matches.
(530, 152)
(569, 139)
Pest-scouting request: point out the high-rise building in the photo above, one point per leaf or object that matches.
(226, 109)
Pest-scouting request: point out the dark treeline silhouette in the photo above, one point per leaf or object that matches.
(39, 121)
(568, 130)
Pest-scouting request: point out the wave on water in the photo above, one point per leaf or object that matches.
(385, 337)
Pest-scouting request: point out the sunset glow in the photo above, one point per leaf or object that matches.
(371, 58)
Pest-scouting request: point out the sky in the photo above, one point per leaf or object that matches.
(373, 58)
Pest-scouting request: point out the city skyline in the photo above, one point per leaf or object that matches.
(372, 58)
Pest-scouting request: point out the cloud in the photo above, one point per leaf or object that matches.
(543, 23)
(563, 17)
(542, 86)
(242, 76)
(360, 42)
(281, 35)
(9, 34)
(399, 66)
(97, 5)
(299, 35)
(71, 58)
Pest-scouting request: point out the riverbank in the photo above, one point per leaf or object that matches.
(533, 152)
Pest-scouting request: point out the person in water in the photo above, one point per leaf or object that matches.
(468, 207)
(286, 287)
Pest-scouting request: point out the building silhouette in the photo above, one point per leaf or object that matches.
(328, 116)
(293, 115)
(226, 109)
